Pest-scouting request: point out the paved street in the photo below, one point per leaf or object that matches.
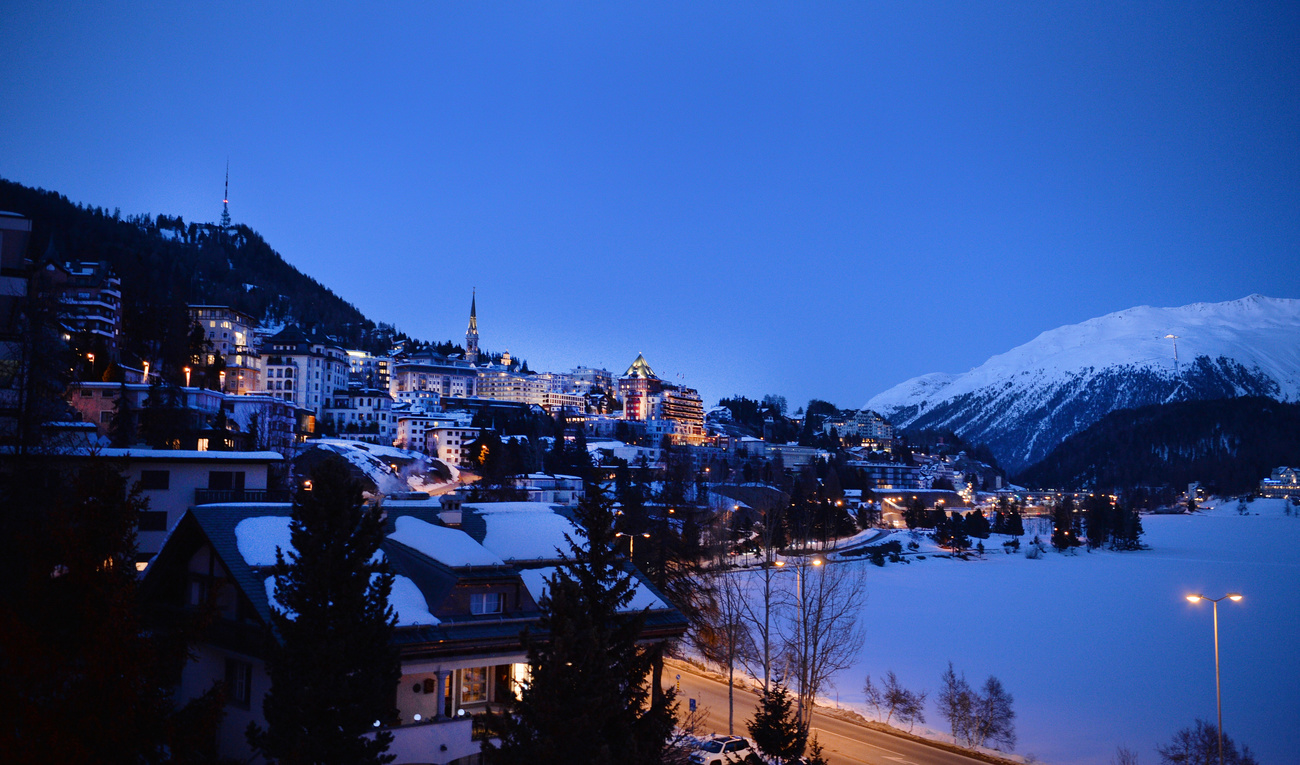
(845, 743)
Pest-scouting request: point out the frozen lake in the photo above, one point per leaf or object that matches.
(1101, 649)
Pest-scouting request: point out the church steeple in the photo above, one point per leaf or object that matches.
(471, 335)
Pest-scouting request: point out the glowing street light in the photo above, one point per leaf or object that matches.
(1218, 694)
(631, 541)
(187, 377)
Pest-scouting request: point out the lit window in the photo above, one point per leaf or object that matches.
(473, 685)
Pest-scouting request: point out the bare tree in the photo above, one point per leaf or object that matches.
(1124, 756)
(760, 609)
(822, 634)
(720, 633)
(909, 706)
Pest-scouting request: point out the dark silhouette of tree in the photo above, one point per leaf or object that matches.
(1199, 745)
(775, 726)
(334, 667)
(81, 678)
(588, 698)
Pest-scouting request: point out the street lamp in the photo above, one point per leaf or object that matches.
(1218, 693)
(187, 377)
(631, 542)
(815, 560)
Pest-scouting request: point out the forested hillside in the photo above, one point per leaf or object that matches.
(1227, 444)
(166, 264)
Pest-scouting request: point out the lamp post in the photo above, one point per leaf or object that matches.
(815, 560)
(631, 542)
(187, 377)
(1218, 693)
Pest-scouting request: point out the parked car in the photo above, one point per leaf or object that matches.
(724, 750)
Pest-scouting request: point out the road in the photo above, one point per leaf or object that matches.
(844, 743)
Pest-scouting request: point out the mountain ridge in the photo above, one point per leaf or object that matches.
(1024, 402)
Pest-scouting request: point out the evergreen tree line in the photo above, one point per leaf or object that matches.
(1226, 444)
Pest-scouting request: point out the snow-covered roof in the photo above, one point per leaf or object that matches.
(451, 547)
(524, 530)
(138, 453)
(258, 538)
(537, 581)
(406, 599)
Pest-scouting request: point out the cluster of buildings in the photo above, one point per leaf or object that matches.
(425, 400)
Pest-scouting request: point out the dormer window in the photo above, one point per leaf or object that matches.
(481, 603)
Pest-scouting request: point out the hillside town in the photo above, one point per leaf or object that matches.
(485, 471)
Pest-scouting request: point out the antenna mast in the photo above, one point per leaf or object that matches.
(225, 199)
(1174, 338)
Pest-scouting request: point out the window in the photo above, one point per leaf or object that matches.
(226, 480)
(485, 603)
(155, 479)
(106, 416)
(239, 682)
(87, 393)
(153, 520)
(473, 685)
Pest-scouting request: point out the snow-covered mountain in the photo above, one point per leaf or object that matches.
(1024, 402)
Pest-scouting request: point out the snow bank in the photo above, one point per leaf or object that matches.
(449, 546)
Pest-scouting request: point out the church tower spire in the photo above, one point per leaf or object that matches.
(471, 335)
(225, 200)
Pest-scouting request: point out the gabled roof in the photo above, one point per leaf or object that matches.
(640, 368)
(416, 561)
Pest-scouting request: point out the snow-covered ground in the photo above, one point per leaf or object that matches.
(1102, 649)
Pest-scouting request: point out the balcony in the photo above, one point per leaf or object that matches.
(437, 741)
(214, 496)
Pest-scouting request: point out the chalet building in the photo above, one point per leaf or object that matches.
(175, 480)
(302, 370)
(467, 583)
(1282, 482)
(364, 414)
(230, 334)
(253, 422)
(550, 489)
(428, 376)
(450, 442)
(15, 231)
(671, 411)
(90, 302)
(889, 475)
(368, 370)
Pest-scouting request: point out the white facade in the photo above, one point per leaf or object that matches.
(363, 414)
(450, 443)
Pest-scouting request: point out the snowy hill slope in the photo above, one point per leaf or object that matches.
(1024, 402)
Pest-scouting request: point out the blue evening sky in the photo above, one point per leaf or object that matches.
(806, 199)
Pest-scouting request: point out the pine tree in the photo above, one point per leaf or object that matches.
(1063, 521)
(775, 727)
(587, 699)
(81, 679)
(1097, 516)
(334, 669)
(122, 428)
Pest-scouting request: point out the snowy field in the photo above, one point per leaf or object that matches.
(1101, 649)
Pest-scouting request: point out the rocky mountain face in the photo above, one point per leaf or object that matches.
(1025, 402)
